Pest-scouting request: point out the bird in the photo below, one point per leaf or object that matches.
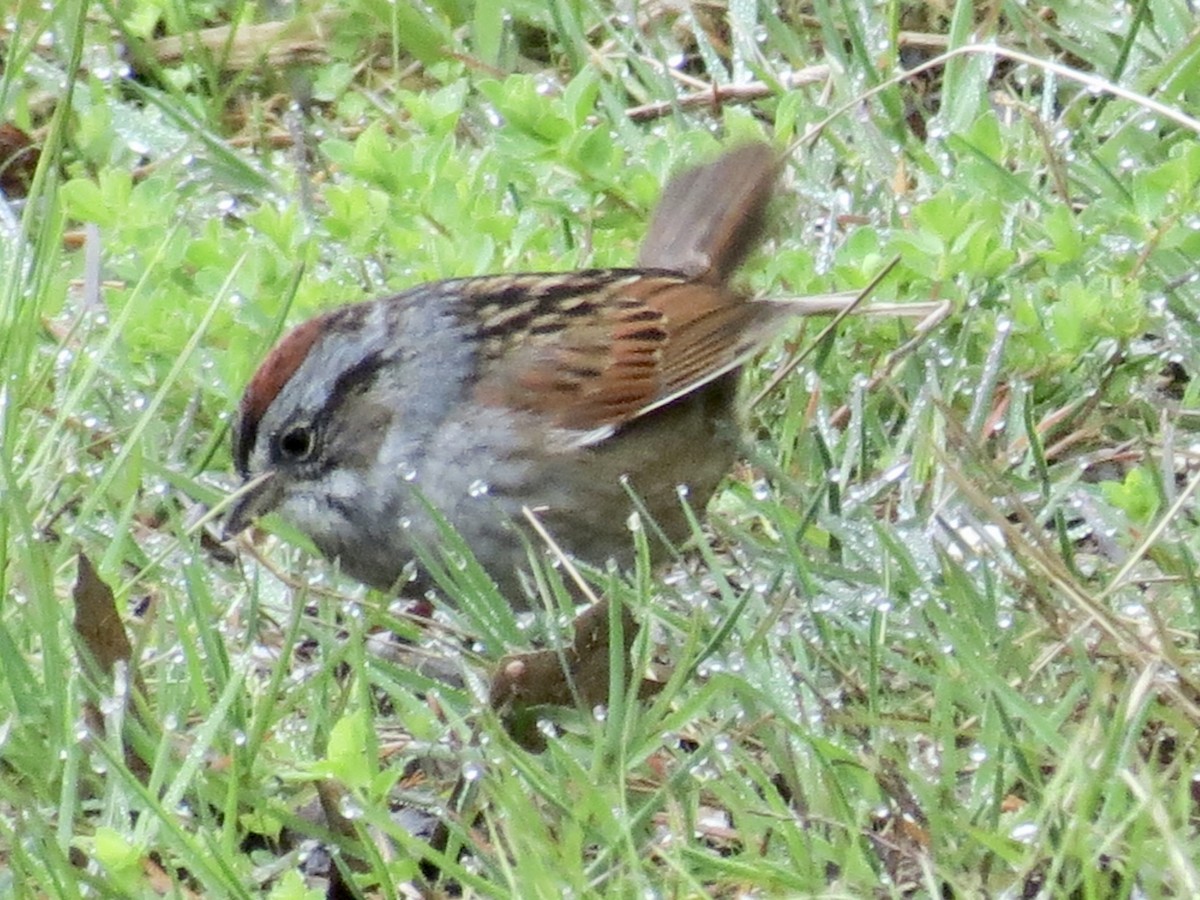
(576, 397)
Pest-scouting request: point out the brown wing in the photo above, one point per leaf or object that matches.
(622, 348)
(594, 350)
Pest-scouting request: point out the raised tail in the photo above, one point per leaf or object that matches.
(710, 217)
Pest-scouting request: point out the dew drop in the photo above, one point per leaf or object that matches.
(1025, 832)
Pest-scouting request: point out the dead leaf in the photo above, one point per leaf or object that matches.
(97, 621)
(104, 643)
(18, 160)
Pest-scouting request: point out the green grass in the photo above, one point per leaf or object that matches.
(940, 635)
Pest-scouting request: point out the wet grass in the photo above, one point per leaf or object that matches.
(938, 635)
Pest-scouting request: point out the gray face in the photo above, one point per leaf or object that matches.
(342, 418)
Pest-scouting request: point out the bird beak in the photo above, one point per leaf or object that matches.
(257, 497)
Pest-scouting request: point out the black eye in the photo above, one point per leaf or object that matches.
(296, 444)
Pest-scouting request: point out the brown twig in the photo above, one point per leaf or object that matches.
(715, 95)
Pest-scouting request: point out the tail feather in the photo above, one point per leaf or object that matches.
(710, 217)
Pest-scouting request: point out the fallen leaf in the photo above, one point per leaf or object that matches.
(97, 621)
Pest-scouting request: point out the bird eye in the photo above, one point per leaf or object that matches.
(296, 444)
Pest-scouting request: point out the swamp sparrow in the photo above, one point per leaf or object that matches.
(473, 399)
